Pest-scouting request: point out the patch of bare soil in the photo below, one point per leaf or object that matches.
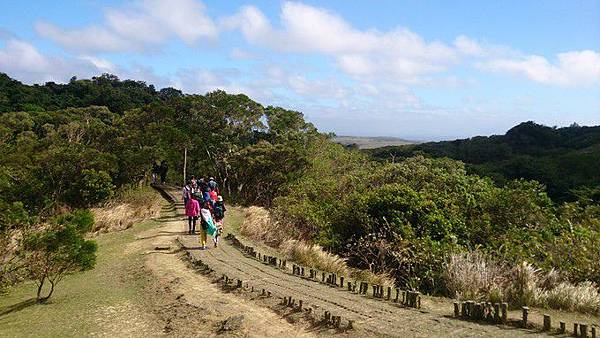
(188, 304)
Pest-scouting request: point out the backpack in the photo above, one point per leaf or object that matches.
(218, 211)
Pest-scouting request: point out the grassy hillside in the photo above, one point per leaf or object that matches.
(565, 160)
(84, 302)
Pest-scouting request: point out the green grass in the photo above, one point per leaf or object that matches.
(73, 309)
(233, 218)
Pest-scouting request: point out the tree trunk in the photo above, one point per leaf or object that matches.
(39, 290)
(43, 299)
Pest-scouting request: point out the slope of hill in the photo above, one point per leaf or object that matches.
(365, 142)
(565, 159)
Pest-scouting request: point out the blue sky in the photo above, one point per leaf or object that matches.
(413, 69)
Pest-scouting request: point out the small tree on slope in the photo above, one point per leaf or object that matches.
(59, 250)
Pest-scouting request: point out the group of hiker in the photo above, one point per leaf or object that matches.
(159, 170)
(203, 202)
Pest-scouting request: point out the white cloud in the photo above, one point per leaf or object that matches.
(144, 25)
(306, 29)
(22, 60)
(571, 69)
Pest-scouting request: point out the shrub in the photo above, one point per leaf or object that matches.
(583, 297)
(131, 206)
(523, 284)
(95, 186)
(472, 275)
(58, 250)
(314, 256)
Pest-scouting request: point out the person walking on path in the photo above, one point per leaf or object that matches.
(212, 184)
(219, 209)
(203, 185)
(219, 213)
(212, 195)
(192, 210)
(164, 167)
(155, 171)
(208, 225)
(186, 193)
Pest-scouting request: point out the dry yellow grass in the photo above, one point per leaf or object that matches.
(260, 226)
(474, 276)
(130, 207)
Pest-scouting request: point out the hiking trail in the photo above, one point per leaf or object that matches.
(370, 316)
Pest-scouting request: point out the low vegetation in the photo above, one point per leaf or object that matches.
(472, 275)
(132, 206)
(260, 226)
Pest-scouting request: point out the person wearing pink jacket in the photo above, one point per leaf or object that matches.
(192, 210)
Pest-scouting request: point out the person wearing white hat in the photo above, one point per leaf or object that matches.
(219, 213)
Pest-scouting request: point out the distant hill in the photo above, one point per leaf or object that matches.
(566, 160)
(365, 142)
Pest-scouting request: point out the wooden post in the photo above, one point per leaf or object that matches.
(463, 309)
(477, 312)
(349, 286)
(547, 322)
(525, 315)
(184, 164)
(563, 327)
(497, 312)
(575, 329)
(397, 295)
(323, 277)
(341, 281)
(389, 293)
(300, 305)
(504, 309)
(583, 328)
(593, 332)
(456, 309)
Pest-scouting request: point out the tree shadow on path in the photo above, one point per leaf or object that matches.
(17, 307)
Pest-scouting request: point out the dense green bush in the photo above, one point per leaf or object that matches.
(407, 218)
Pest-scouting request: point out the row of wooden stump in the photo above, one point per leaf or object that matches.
(498, 313)
(409, 298)
(328, 318)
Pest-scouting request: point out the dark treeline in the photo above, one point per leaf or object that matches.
(565, 160)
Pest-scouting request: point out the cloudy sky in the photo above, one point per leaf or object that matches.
(413, 69)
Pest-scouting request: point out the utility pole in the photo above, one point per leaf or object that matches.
(184, 164)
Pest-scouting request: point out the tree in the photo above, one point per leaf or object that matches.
(59, 250)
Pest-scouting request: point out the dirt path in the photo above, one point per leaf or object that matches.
(189, 304)
(370, 316)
